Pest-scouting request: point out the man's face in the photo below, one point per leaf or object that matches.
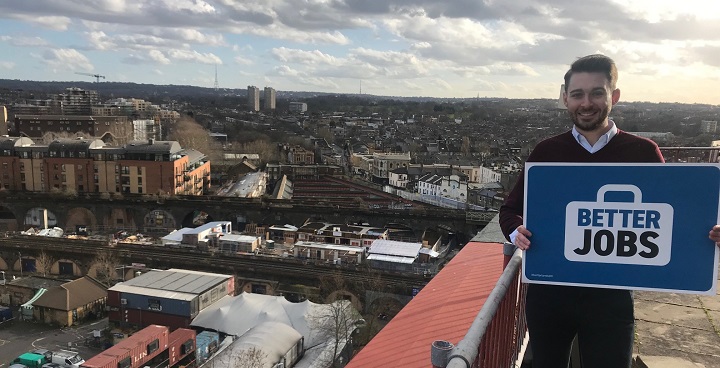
(589, 99)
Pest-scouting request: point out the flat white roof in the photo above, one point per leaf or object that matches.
(176, 235)
(207, 226)
(238, 238)
(395, 248)
(393, 259)
(347, 248)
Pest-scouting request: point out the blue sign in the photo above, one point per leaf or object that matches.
(623, 226)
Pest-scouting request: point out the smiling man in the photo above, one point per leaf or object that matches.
(603, 319)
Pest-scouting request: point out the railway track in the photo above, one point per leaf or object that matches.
(243, 265)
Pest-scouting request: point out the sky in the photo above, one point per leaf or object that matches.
(666, 50)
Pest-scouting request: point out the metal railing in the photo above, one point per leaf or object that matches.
(498, 335)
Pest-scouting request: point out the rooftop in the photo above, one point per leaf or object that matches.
(174, 280)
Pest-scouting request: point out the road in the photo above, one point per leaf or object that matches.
(17, 337)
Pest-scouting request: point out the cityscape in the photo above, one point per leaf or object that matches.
(336, 210)
(327, 184)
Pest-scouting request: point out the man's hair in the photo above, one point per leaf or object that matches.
(594, 64)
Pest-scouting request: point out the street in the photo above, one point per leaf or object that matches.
(17, 337)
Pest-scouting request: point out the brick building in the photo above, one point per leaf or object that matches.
(119, 128)
(88, 165)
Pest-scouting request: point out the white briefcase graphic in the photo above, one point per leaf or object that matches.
(619, 232)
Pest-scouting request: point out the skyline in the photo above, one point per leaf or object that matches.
(666, 51)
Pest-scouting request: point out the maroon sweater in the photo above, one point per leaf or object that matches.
(623, 147)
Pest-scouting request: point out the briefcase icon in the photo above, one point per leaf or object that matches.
(619, 232)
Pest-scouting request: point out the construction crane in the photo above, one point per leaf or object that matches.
(97, 76)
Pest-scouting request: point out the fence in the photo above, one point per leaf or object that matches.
(498, 335)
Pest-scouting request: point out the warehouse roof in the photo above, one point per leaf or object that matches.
(173, 281)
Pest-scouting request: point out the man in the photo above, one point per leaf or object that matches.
(603, 319)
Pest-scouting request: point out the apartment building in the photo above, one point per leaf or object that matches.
(88, 165)
(269, 98)
(298, 107)
(119, 128)
(253, 95)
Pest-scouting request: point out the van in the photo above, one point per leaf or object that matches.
(67, 358)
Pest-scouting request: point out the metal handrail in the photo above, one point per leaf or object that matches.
(467, 350)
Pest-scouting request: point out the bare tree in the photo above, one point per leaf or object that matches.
(105, 265)
(245, 358)
(339, 319)
(190, 134)
(267, 150)
(249, 358)
(43, 263)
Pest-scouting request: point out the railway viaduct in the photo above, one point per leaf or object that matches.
(152, 214)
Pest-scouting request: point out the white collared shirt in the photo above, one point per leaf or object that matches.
(602, 142)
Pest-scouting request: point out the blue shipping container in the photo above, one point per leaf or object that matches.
(155, 304)
(206, 343)
(5, 314)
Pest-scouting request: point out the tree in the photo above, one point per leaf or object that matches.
(339, 319)
(43, 263)
(249, 358)
(105, 265)
(190, 134)
(252, 357)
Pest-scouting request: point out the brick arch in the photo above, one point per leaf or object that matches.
(3, 264)
(380, 302)
(76, 269)
(344, 295)
(8, 220)
(196, 218)
(159, 221)
(80, 216)
(34, 218)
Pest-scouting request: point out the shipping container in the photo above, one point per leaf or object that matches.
(206, 343)
(5, 314)
(181, 344)
(145, 318)
(165, 305)
(133, 351)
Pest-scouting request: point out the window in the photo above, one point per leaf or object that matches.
(22, 164)
(63, 167)
(125, 363)
(153, 346)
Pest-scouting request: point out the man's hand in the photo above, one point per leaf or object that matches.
(522, 240)
(715, 235)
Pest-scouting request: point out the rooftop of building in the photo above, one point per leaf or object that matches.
(173, 281)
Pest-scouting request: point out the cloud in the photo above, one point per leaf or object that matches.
(243, 60)
(194, 56)
(7, 65)
(24, 41)
(303, 57)
(151, 57)
(67, 58)
(57, 23)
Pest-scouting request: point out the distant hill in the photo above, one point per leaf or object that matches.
(153, 91)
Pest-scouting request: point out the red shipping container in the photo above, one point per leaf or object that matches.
(181, 344)
(134, 351)
(145, 318)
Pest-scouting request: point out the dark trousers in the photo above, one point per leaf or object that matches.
(603, 320)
